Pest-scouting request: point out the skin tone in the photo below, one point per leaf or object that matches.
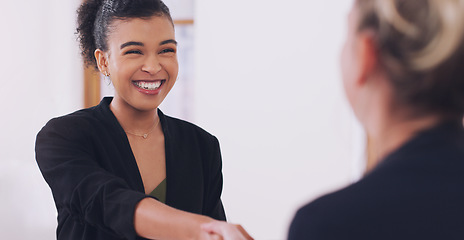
(142, 63)
(226, 232)
(371, 96)
(142, 55)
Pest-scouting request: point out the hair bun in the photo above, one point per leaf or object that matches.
(421, 49)
(86, 16)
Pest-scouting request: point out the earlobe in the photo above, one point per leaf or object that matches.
(102, 61)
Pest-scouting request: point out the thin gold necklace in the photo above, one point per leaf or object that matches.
(144, 136)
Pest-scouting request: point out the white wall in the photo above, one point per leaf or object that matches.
(40, 79)
(268, 86)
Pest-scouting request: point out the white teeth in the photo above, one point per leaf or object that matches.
(148, 85)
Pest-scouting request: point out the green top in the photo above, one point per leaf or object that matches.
(160, 192)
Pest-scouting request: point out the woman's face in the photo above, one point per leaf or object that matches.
(142, 61)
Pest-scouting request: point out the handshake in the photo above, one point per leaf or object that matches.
(220, 230)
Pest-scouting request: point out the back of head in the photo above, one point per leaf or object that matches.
(421, 48)
(95, 18)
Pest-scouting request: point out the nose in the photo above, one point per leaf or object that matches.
(152, 65)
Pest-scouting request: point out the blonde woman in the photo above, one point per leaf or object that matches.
(403, 73)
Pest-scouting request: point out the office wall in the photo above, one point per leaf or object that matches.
(268, 86)
(40, 78)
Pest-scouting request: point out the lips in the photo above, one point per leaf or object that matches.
(149, 87)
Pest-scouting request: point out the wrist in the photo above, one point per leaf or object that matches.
(193, 225)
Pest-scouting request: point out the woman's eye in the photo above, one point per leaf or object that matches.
(133, 52)
(168, 50)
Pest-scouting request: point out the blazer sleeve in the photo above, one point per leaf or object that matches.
(213, 204)
(79, 185)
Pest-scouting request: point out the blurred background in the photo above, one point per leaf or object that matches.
(261, 75)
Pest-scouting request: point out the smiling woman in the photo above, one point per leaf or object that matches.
(141, 55)
(123, 169)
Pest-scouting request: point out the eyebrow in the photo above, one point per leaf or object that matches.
(169, 41)
(132, 43)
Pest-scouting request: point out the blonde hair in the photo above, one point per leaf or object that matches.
(420, 45)
(448, 13)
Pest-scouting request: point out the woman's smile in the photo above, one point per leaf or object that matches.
(150, 87)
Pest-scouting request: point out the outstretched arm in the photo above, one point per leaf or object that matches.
(226, 230)
(155, 220)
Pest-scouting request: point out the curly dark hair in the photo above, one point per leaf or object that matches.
(94, 18)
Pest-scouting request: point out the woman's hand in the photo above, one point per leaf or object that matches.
(155, 220)
(226, 230)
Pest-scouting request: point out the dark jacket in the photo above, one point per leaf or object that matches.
(417, 192)
(86, 159)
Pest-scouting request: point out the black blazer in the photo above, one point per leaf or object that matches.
(86, 159)
(417, 192)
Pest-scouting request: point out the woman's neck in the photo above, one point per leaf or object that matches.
(392, 131)
(132, 119)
